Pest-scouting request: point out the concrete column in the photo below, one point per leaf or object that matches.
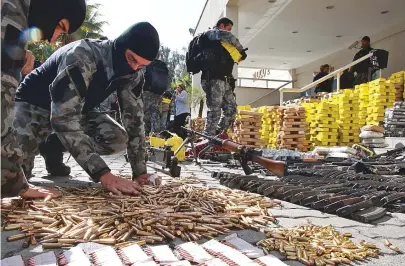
(232, 12)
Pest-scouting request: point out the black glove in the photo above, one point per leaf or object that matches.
(243, 53)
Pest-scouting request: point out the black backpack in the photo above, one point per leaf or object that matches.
(194, 55)
(156, 77)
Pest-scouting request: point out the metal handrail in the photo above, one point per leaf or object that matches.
(276, 89)
(337, 72)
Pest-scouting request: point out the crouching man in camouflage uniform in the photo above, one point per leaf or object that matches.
(39, 19)
(218, 82)
(80, 76)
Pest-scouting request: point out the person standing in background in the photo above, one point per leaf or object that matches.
(182, 109)
(165, 108)
(217, 79)
(325, 86)
(362, 69)
(151, 112)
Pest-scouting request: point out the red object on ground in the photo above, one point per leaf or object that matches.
(202, 144)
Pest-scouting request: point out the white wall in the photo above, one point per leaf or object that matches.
(211, 14)
(394, 43)
(249, 96)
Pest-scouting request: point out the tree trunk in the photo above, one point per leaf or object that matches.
(200, 110)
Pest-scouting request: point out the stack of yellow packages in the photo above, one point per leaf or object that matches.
(310, 110)
(362, 91)
(266, 123)
(349, 128)
(273, 126)
(398, 80)
(231, 132)
(324, 125)
(381, 96)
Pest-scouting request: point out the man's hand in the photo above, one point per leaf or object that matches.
(40, 192)
(149, 179)
(118, 185)
(29, 63)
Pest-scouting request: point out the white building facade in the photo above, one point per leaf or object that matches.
(290, 39)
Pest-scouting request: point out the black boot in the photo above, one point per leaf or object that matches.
(52, 151)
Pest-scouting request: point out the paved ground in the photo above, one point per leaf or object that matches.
(390, 227)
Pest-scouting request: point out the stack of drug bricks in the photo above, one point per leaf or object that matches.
(310, 111)
(198, 124)
(274, 126)
(349, 128)
(324, 125)
(266, 123)
(394, 122)
(247, 127)
(292, 126)
(398, 80)
(175, 210)
(362, 91)
(381, 96)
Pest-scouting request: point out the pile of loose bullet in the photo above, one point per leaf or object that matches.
(317, 245)
(174, 210)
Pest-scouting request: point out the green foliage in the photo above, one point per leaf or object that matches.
(42, 50)
(92, 24)
(176, 62)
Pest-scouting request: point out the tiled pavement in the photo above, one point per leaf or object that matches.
(390, 227)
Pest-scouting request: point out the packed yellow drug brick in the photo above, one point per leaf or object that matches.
(266, 123)
(397, 79)
(324, 125)
(243, 108)
(349, 129)
(274, 127)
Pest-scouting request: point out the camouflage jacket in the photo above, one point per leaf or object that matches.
(14, 16)
(217, 34)
(85, 78)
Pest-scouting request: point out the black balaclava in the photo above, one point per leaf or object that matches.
(46, 14)
(142, 39)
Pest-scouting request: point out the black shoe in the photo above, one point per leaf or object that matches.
(52, 151)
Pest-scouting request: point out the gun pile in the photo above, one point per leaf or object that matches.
(317, 245)
(394, 122)
(174, 210)
(365, 198)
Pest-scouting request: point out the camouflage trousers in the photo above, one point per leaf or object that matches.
(219, 96)
(13, 181)
(33, 126)
(151, 109)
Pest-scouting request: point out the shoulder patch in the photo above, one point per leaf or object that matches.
(78, 81)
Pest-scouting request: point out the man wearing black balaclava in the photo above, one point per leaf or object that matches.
(70, 85)
(23, 21)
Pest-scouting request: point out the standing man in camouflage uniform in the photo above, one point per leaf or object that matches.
(151, 111)
(80, 76)
(218, 82)
(43, 19)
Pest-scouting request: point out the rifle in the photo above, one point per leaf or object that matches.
(246, 154)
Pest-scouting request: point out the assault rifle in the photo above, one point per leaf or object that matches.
(246, 154)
